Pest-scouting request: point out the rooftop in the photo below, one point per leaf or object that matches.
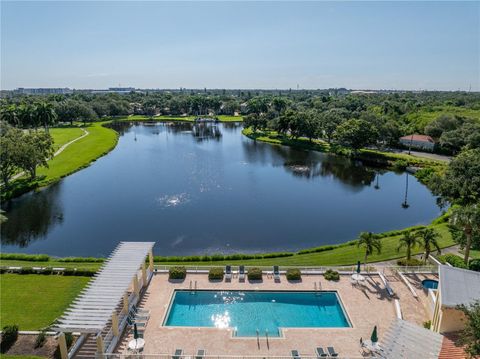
(458, 286)
(418, 138)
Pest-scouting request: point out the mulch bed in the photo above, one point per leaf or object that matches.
(25, 345)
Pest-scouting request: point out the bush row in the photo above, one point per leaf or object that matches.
(220, 257)
(48, 271)
(25, 257)
(452, 259)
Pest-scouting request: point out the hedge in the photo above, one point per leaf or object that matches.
(25, 257)
(254, 274)
(474, 264)
(331, 275)
(220, 257)
(453, 259)
(9, 337)
(294, 274)
(177, 273)
(215, 274)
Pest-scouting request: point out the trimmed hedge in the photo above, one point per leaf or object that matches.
(221, 257)
(413, 262)
(47, 271)
(453, 259)
(9, 337)
(177, 273)
(294, 274)
(215, 274)
(25, 257)
(254, 274)
(331, 275)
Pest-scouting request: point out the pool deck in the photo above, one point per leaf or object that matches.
(365, 306)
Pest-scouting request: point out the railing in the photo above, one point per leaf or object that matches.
(415, 269)
(193, 355)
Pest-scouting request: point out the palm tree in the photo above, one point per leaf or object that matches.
(371, 244)
(45, 114)
(468, 219)
(429, 238)
(409, 241)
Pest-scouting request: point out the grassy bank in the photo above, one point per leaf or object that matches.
(35, 301)
(331, 255)
(63, 135)
(78, 155)
(369, 155)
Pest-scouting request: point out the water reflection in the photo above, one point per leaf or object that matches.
(34, 218)
(204, 131)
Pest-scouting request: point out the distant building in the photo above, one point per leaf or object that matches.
(421, 142)
(43, 91)
(121, 89)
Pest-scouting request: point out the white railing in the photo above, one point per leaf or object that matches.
(415, 269)
(193, 355)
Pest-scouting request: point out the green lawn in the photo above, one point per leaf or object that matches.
(339, 256)
(75, 157)
(227, 118)
(63, 135)
(34, 301)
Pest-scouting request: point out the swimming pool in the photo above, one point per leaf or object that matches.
(249, 311)
(430, 283)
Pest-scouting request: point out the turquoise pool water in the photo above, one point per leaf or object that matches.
(247, 311)
(430, 283)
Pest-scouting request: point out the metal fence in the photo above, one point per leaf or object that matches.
(220, 356)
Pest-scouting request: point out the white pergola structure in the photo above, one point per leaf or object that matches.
(99, 305)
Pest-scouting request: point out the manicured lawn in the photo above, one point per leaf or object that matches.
(75, 157)
(34, 301)
(227, 118)
(63, 135)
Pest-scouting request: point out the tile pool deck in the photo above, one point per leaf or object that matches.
(365, 308)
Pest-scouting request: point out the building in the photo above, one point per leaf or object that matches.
(421, 142)
(456, 287)
(43, 91)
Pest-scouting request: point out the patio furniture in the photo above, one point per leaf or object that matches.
(332, 352)
(178, 354)
(228, 272)
(241, 273)
(136, 345)
(276, 273)
(320, 352)
(295, 354)
(200, 354)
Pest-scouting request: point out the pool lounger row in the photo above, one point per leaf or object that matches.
(179, 354)
(319, 352)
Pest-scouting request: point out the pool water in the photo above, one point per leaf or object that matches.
(430, 284)
(249, 311)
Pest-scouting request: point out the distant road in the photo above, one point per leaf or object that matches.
(431, 156)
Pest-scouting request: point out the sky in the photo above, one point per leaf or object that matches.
(226, 44)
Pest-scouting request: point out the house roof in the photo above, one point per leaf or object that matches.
(458, 286)
(407, 340)
(418, 138)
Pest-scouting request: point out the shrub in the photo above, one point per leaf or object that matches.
(40, 340)
(215, 274)
(427, 324)
(25, 257)
(84, 272)
(474, 265)
(424, 175)
(400, 164)
(331, 275)
(69, 271)
(413, 262)
(254, 274)
(454, 260)
(26, 270)
(294, 274)
(9, 337)
(81, 259)
(177, 273)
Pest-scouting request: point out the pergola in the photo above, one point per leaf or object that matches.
(97, 305)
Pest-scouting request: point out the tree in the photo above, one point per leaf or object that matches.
(9, 115)
(35, 149)
(329, 121)
(356, 134)
(441, 124)
(10, 141)
(468, 219)
(45, 114)
(429, 238)
(256, 121)
(461, 183)
(470, 336)
(371, 244)
(409, 241)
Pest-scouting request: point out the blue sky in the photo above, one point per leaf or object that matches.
(361, 45)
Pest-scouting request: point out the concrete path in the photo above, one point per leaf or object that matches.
(427, 155)
(60, 150)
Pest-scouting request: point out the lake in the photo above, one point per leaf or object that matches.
(206, 188)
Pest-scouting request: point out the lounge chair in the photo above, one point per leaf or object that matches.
(241, 273)
(200, 354)
(332, 352)
(320, 352)
(295, 354)
(228, 272)
(276, 273)
(178, 354)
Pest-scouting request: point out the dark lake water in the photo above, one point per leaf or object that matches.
(208, 189)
